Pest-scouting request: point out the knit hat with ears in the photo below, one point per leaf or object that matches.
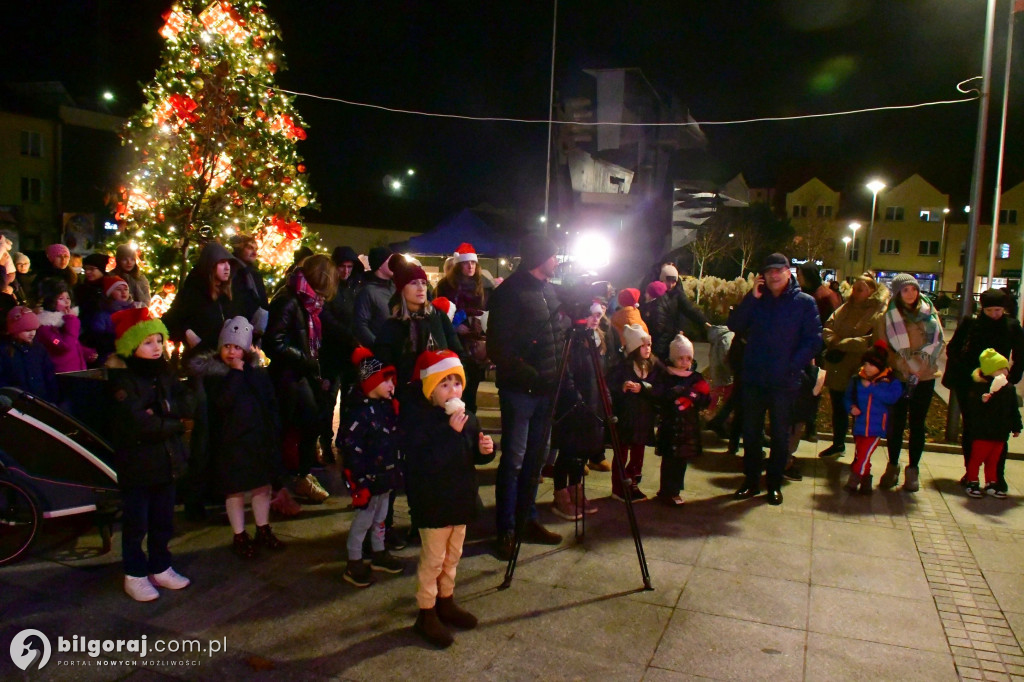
(132, 326)
(633, 336)
(21, 319)
(372, 372)
(237, 331)
(629, 297)
(111, 282)
(57, 250)
(445, 306)
(433, 366)
(877, 355)
(465, 253)
(991, 361)
(679, 347)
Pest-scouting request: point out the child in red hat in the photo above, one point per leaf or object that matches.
(442, 443)
(369, 448)
(147, 406)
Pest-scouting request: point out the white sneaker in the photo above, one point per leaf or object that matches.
(170, 579)
(140, 589)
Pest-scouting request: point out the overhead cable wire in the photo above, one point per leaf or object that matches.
(763, 119)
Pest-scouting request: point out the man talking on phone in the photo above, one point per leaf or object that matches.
(783, 335)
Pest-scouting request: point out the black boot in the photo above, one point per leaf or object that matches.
(452, 614)
(430, 627)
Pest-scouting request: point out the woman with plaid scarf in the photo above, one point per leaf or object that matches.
(912, 328)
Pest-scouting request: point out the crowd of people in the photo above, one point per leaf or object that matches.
(369, 344)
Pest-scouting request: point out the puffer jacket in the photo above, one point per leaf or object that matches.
(397, 346)
(996, 419)
(850, 330)
(783, 335)
(371, 308)
(59, 332)
(679, 429)
(368, 441)
(524, 334)
(975, 334)
(678, 313)
(286, 342)
(874, 401)
(28, 366)
(338, 318)
(147, 406)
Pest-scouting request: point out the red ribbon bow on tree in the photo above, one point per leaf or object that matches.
(286, 124)
(290, 230)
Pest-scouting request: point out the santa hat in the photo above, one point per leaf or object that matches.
(54, 251)
(372, 372)
(111, 282)
(633, 336)
(629, 297)
(680, 346)
(465, 253)
(21, 319)
(132, 327)
(445, 306)
(433, 366)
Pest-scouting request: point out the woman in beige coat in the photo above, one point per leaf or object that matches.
(848, 333)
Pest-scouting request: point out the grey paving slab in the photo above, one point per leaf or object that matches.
(994, 555)
(894, 577)
(1007, 588)
(864, 539)
(889, 620)
(838, 658)
(530, 661)
(756, 557)
(746, 597)
(723, 648)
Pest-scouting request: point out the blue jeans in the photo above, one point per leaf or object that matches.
(524, 444)
(779, 404)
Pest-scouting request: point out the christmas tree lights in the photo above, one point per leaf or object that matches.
(214, 145)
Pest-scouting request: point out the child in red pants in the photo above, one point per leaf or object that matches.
(868, 399)
(991, 408)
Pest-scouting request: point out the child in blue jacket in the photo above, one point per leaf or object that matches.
(868, 398)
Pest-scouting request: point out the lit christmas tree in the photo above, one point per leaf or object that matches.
(214, 144)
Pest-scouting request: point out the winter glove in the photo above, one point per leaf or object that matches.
(360, 494)
(259, 321)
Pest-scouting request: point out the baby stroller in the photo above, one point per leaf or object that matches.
(51, 465)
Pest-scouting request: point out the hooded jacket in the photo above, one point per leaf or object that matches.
(783, 335)
(975, 334)
(874, 401)
(850, 330)
(194, 309)
(338, 319)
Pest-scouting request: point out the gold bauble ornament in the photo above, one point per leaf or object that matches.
(254, 70)
(302, 201)
(198, 83)
(147, 121)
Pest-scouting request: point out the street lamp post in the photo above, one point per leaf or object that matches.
(849, 264)
(854, 227)
(942, 250)
(875, 186)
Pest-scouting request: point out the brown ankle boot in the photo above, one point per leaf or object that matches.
(452, 614)
(432, 629)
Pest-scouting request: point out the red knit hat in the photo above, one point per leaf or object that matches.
(111, 282)
(21, 319)
(445, 306)
(629, 297)
(372, 372)
(433, 366)
(465, 253)
(132, 326)
(405, 272)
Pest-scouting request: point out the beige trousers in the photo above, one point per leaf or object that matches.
(439, 556)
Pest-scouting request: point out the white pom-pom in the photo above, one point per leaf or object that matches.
(453, 405)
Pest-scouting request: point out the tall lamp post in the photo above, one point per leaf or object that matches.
(875, 186)
(849, 263)
(853, 247)
(942, 250)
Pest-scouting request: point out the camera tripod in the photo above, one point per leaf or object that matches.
(581, 338)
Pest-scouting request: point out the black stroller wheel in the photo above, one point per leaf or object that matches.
(19, 521)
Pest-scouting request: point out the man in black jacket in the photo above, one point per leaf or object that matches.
(248, 282)
(674, 311)
(522, 342)
(371, 307)
(339, 341)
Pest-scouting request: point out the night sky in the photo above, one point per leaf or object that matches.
(725, 60)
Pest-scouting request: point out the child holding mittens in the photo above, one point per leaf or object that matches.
(148, 405)
(991, 408)
(684, 394)
(634, 385)
(442, 443)
(368, 443)
(868, 398)
(244, 429)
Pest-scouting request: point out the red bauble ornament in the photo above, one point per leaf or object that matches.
(261, 115)
(160, 217)
(196, 49)
(247, 182)
(238, 201)
(286, 180)
(270, 93)
(258, 42)
(301, 168)
(272, 67)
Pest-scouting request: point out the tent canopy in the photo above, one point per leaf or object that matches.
(464, 226)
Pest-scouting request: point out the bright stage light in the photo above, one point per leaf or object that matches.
(592, 251)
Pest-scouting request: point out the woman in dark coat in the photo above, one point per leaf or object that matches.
(292, 343)
(467, 288)
(993, 328)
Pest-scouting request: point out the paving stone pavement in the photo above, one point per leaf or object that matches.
(828, 586)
